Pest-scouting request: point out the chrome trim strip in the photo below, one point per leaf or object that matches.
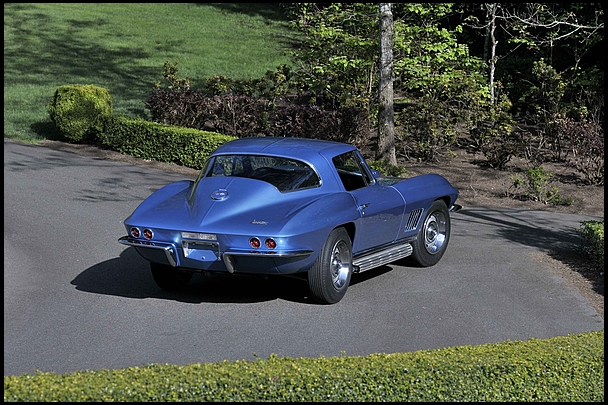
(382, 257)
(167, 247)
(384, 247)
(269, 253)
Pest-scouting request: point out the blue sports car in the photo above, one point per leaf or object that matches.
(291, 206)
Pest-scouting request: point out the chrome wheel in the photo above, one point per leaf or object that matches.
(329, 277)
(433, 236)
(340, 264)
(435, 232)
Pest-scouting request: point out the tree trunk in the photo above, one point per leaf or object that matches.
(491, 42)
(386, 112)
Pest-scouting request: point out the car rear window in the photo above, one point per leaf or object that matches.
(285, 174)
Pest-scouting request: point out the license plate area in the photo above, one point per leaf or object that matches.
(201, 250)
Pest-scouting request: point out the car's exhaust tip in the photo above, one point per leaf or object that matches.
(456, 208)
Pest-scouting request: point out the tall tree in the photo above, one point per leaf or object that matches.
(386, 112)
(432, 74)
(538, 25)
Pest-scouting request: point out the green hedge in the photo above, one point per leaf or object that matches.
(77, 111)
(593, 242)
(164, 143)
(567, 368)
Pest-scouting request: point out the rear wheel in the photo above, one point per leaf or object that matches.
(329, 277)
(433, 237)
(170, 278)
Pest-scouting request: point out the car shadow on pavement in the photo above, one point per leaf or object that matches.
(129, 276)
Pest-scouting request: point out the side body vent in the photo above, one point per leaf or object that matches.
(412, 221)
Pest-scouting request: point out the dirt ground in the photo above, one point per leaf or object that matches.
(478, 186)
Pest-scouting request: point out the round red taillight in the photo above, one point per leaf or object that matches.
(147, 234)
(135, 232)
(270, 243)
(254, 242)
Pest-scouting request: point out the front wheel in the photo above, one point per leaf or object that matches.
(329, 277)
(433, 237)
(170, 278)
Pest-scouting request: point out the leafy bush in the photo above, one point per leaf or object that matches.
(305, 122)
(269, 88)
(593, 242)
(427, 129)
(244, 116)
(164, 143)
(190, 109)
(238, 115)
(536, 187)
(500, 149)
(587, 143)
(176, 83)
(77, 111)
(566, 368)
(386, 168)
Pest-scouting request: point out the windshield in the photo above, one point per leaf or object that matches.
(283, 173)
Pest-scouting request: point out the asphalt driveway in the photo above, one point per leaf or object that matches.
(75, 299)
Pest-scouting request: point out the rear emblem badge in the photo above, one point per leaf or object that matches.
(219, 195)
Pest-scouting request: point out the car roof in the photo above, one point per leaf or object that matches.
(299, 148)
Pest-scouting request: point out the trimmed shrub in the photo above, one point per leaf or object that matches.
(564, 368)
(593, 242)
(76, 111)
(164, 143)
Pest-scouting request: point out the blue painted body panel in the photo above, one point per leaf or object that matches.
(235, 209)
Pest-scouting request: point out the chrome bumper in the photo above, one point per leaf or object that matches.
(168, 248)
(227, 257)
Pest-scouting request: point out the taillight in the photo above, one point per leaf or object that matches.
(254, 242)
(270, 243)
(147, 234)
(134, 232)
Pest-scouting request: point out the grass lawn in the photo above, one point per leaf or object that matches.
(123, 47)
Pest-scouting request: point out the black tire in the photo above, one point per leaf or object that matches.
(170, 278)
(329, 277)
(433, 236)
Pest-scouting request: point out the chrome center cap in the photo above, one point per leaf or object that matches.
(219, 195)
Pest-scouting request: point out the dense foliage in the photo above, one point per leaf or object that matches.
(532, 87)
(452, 91)
(593, 243)
(163, 143)
(76, 111)
(567, 368)
(445, 94)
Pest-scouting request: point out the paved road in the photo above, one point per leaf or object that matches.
(75, 299)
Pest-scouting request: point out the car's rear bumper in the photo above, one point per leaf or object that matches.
(150, 250)
(206, 256)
